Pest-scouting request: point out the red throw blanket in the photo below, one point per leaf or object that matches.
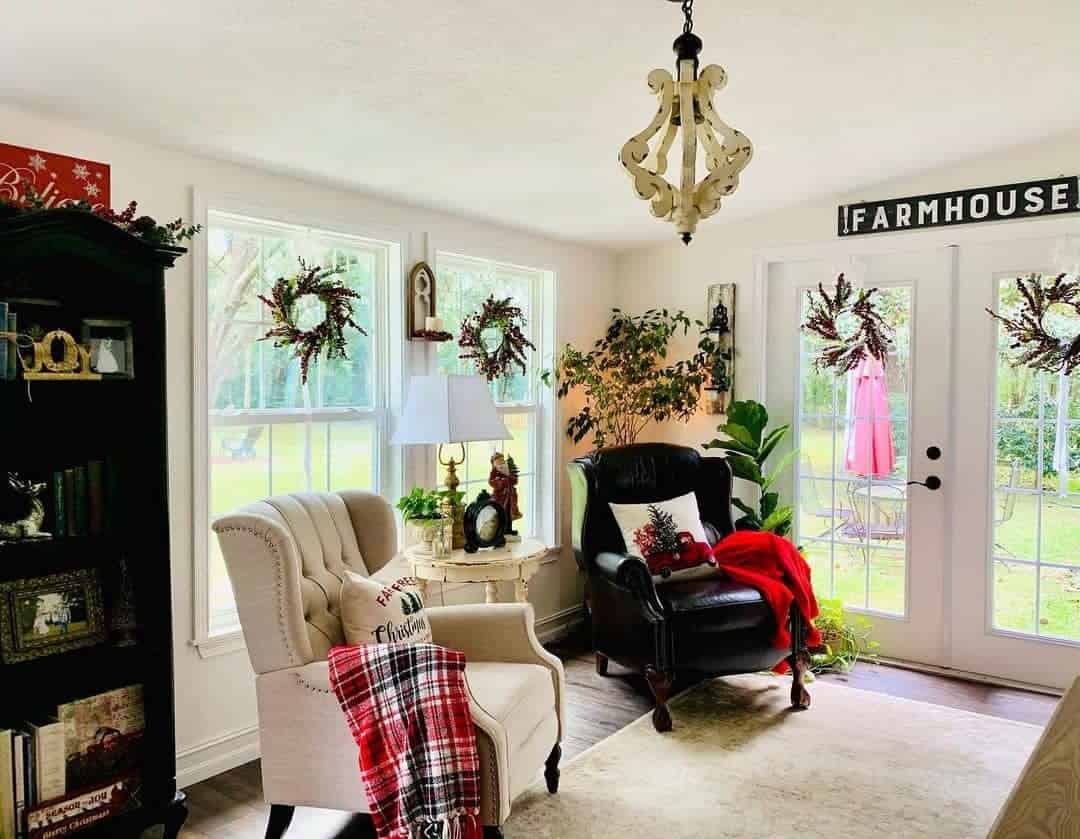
(774, 567)
(407, 707)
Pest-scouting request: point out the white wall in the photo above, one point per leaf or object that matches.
(215, 702)
(676, 276)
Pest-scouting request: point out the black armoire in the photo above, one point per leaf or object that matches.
(72, 271)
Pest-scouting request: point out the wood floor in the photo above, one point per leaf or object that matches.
(230, 806)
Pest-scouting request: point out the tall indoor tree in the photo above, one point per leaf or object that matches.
(626, 378)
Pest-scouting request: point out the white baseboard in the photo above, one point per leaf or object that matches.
(560, 624)
(232, 749)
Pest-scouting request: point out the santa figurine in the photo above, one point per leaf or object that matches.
(503, 482)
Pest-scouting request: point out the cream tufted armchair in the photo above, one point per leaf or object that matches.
(286, 558)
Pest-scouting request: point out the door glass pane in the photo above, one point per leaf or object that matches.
(853, 445)
(1036, 510)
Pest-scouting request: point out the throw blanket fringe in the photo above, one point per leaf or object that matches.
(407, 707)
(774, 567)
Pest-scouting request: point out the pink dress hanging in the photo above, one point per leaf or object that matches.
(870, 450)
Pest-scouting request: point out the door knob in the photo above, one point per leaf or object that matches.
(932, 482)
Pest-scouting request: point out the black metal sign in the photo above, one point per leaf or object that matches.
(965, 206)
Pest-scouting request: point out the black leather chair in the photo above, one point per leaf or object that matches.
(710, 626)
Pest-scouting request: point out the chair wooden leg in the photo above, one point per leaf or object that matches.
(280, 818)
(660, 685)
(551, 769)
(799, 662)
(601, 664)
(491, 832)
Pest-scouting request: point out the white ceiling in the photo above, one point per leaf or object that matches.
(515, 111)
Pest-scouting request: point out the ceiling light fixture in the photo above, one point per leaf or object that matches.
(687, 102)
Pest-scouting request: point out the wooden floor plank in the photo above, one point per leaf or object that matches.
(230, 805)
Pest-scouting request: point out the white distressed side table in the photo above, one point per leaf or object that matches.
(517, 562)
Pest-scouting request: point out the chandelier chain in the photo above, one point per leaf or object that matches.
(688, 13)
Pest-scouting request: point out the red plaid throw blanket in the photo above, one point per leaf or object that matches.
(408, 709)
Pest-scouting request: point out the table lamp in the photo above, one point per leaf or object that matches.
(442, 410)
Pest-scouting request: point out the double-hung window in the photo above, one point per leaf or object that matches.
(523, 401)
(264, 432)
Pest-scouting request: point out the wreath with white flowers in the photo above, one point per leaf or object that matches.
(845, 348)
(329, 334)
(1031, 342)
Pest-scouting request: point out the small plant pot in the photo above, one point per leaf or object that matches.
(430, 537)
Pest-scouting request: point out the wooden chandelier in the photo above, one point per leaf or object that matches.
(686, 102)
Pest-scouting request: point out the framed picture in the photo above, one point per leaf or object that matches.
(49, 615)
(112, 347)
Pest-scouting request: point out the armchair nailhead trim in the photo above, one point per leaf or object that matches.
(306, 685)
(279, 564)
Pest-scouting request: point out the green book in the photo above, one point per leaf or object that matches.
(82, 505)
(60, 524)
(95, 476)
(69, 502)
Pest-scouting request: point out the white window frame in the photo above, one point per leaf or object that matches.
(544, 456)
(388, 350)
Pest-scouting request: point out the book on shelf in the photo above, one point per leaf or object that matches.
(64, 773)
(95, 489)
(81, 511)
(69, 502)
(59, 506)
(6, 346)
(7, 784)
(13, 350)
(49, 759)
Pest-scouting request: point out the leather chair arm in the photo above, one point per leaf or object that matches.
(631, 572)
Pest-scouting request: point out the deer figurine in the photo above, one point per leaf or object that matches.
(29, 526)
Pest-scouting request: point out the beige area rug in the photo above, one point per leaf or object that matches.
(857, 765)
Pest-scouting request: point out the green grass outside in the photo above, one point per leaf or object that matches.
(1015, 537)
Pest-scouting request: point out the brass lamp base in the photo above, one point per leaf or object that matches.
(452, 485)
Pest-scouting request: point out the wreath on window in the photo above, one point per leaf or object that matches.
(1031, 341)
(329, 335)
(844, 347)
(509, 320)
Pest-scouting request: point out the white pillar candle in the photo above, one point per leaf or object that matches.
(433, 324)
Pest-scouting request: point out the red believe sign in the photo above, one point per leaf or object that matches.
(57, 179)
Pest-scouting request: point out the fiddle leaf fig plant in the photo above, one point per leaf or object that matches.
(626, 379)
(749, 446)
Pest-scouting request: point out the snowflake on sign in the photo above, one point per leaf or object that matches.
(80, 171)
(37, 162)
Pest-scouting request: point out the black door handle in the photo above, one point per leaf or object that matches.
(932, 482)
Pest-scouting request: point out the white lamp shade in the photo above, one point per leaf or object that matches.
(449, 409)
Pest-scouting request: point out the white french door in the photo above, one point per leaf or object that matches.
(983, 574)
(857, 525)
(1015, 598)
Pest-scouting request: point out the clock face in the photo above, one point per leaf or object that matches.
(487, 524)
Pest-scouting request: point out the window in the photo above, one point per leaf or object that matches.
(1036, 499)
(264, 432)
(522, 400)
(853, 449)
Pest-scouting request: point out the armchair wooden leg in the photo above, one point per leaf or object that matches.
(601, 664)
(660, 685)
(799, 662)
(280, 819)
(551, 769)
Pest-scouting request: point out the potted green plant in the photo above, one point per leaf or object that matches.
(627, 380)
(423, 511)
(845, 638)
(749, 446)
